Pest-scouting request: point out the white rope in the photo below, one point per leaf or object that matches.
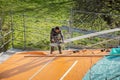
(92, 35)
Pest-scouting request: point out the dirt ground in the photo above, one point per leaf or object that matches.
(40, 65)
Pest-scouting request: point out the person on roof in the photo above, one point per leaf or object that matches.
(56, 37)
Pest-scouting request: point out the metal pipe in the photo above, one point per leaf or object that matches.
(96, 13)
(6, 43)
(24, 34)
(6, 34)
(12, 29)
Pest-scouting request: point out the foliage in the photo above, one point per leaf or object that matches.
(110, 10)
(37, 17)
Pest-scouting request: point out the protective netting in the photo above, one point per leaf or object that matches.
(105, 69)
(33, 32)
(83, 23)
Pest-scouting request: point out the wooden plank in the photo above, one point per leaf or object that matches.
(89, 55)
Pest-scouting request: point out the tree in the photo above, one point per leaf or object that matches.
(109, 7)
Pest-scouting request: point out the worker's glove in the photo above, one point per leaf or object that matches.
(62, 42)
(59, 38)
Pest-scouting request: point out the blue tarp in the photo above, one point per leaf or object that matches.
(115, 51)
(108, 68)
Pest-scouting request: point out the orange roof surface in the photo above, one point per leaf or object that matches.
(20, 67)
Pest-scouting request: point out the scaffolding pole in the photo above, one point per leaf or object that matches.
(24, 33)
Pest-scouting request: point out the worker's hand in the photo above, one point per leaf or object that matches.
(59, 38)
(62, 41)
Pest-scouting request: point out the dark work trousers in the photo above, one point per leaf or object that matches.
(59, 48)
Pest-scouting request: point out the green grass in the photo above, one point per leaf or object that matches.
(37, 17)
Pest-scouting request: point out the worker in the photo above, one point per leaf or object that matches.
(56, 37)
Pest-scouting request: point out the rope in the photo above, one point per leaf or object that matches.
(92, 35)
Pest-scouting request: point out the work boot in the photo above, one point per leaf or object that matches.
(52, 49)
(60, 52)
(59, 47)
(50, 52)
